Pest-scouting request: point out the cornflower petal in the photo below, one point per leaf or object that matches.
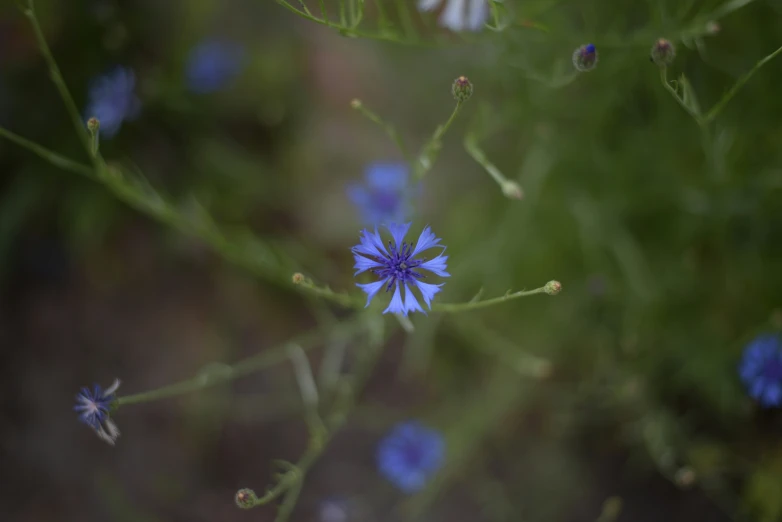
(426, 240)
(411, 303)
(398, 232)
(371, 245)
(453, 15)
(436, 266)
(478, 14)
(371, 289)
(428, 291)
(396, 306)
(428, 5)
(364, 263)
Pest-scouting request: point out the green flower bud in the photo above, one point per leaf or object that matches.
(93, 125)
(245, 498)
(553, 287)
(462, 89)
(663, 53)
(298, 278)
(512, 190)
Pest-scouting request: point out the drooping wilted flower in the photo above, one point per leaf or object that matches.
(384, 196)
(112, 100)
(459, 15)
(93, 407)
(399, 266)
(410, 454)
(760, 369)
(212, 65)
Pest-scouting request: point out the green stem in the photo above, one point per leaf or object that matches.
(52, 157)
(431, 150)
(242, 368)
(387, 127)
(57, 78)
(738, 85)
(475, 305)
(349, 31)
(675, 94)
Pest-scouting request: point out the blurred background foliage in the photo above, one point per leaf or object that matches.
(667, 238)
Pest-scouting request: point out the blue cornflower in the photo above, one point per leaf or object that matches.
(761, 369)
(459, 15)
(112, 100)
(93, 407)
(383, 198)
(212, 65)
(397, 266)
(410, 454)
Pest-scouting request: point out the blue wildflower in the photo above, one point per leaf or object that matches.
(397, 266)
(112, 100)
(212, 65)
(383, 198)
(459, 15)
(761, 369)
(93, 407)
(410, 454)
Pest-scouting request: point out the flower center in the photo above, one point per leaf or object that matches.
(399, 266)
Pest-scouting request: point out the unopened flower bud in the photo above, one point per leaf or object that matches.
(663, 52)
(685, 477)
(462, 89)
(553, 287)
(245, 498)
(512, 190)
(298, 278)
(585, 58)
(355, 103)
(93, 125)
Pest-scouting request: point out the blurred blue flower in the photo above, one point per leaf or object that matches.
(212, 64)
(410, 454)
(112, 100)
(459, 15)
(383, 198)
(761, 369)
(397, 265)
(93, 407)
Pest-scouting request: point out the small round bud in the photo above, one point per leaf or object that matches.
(355, 103)
(245, 498)
(298, 278)
(512, 190)
(93, 124)
(663, 52)
(585, 58)
(553, 287)
(685, 477)
(462, 89)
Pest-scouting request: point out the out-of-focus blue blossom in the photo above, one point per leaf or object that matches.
(399, 266)
(112, 100)
(212, 65)
(760, 369)
(459, 15)
(333, 509)
(410, 454)
(384, 196)
(94, 406)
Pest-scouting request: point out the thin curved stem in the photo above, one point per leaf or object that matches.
(58, 80)
(52, 157)
(226, 373)
(738, 85)
(475, 305)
